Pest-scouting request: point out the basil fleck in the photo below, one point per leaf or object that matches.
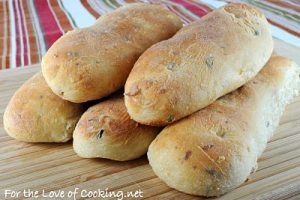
(99, 134)
(171, 118)
(73, 54)
(212, 172)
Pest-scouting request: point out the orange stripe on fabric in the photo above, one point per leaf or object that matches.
(2, 32)
(131, 1)
(284, 4)
(189, 18)
(89, 8)
(284, 28)
(7, 57)
(61, 16)
(31, 34)
(5, 36)
(201, 5)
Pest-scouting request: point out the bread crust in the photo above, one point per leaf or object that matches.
(105, 130)
(90, 63)
(201, 62)
(36, 114)
(214, 150)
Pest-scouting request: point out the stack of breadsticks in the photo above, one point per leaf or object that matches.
(206, 97)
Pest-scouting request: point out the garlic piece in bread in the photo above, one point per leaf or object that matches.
(214, 150)
(203, 61)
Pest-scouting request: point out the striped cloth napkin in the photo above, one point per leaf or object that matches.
(30, 27)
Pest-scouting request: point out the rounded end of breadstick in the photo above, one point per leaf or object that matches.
(105, 130)
(179, 76)
(197, 156)
(35, 114)
(93, 62)
(214, 150)
(147, 103)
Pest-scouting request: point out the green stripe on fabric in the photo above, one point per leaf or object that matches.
(116, 3)
(68, 14)
(109, 4)
(276, 11)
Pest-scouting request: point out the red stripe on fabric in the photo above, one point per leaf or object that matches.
(91, 10)
(31, 35)
(61, 16)
(7, 57)
(284, 28)
(183, 18)
(192, 7)
(2, 37)
(285, 5)
(24, 35)
(18, 46)
(202, 5)
(49, 25)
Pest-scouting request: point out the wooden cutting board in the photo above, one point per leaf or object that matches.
(55, 167)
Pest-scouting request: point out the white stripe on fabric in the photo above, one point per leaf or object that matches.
(26, 33)
(66, 13)
(79, 13)
(38, 31)
(194, 16)
(33, 27)
(183, 18)
(55, 17)
(213, 3)
(106, 8)
(94, 5)
(121, 2)
(19, 20)
(285, 9)
(184, 9)
(13, 50)
(285, 36)
(293, 3)
(5, 36)
(111, 5)
(292, 25)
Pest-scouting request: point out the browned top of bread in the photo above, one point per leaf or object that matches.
(36, 114)
(201, 62)
(105, 130)
(214, 150)
(90, 63)
(108, 117)
(242, 10)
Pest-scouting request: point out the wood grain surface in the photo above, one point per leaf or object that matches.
(55, 167)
